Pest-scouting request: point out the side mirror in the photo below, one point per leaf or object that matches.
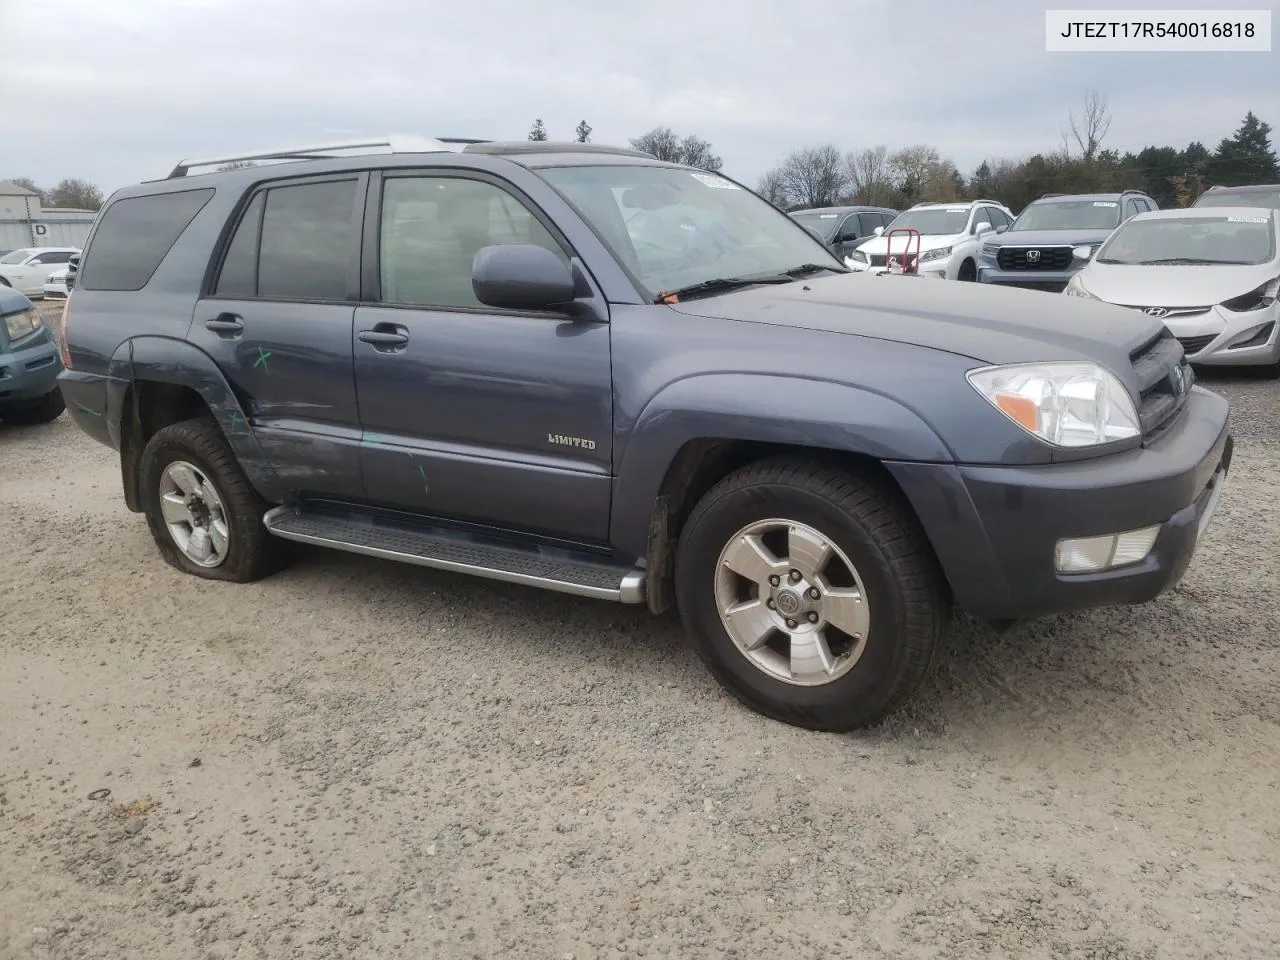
(1082, 253)
(1002, 228)
(521, 276)
(980, 228)
(879, 231)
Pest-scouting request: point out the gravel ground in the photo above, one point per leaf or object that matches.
(356, 759)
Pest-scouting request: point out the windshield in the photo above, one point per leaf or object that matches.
(824, 223)
(1210, 240)
(1069, 215)
(1240, 198)
(938, 221)
(674, 228)
(16, 257)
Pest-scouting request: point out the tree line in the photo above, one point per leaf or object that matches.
(70, 193)
(822, 175)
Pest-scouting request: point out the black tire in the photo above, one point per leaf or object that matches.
(910, 603)
(252, 552)
(968, 272)
(44, 410)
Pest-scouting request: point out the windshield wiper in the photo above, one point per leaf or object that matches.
(807, 268)
(718, 285)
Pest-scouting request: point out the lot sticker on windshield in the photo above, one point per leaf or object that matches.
(1104, 203)
(1246, 219)
(718, 182)
(827, 216)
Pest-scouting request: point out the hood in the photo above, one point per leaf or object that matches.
(977, 320)
(900, 241)
(1046, 238)
(1173, 286)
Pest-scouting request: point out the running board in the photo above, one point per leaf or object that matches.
(558, 570)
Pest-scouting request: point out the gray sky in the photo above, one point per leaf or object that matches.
(115, 91)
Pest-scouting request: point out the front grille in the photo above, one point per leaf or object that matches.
(878, 259)
(1024, 258)
(1193, 345)
(1164, 383)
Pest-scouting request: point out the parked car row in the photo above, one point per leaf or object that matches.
(27, 270)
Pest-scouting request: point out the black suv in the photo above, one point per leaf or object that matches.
(843, 228)
(590, 371)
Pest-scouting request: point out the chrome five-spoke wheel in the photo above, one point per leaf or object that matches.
(792, 602)
(194, 514)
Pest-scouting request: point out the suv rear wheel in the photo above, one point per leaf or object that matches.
(810, 594)
(204, 515)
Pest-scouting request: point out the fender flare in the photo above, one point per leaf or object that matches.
(168, 360)
(762, 408)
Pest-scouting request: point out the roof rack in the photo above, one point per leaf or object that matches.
(1131, 190)
(394, 144)
(1046, 196)
(550, 146)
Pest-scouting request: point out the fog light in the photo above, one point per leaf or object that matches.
(1092, 554)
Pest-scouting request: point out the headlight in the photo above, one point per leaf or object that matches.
(860, 256)
(937, 254)
(1259, 299)
(1075, 288)
(20, 324)
(1071, 404)
(1082, 252)
(989, 249)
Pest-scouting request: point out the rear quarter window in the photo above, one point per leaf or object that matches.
(134, 236)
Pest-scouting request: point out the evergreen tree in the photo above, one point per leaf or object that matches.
(1246, 157)
(537, 131)
(584, 132)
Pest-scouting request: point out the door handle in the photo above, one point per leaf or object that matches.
(384, 336)
(225, 324)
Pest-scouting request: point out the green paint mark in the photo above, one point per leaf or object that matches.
(237, 420)
(92, 413)
(263, 356)
(423, 474)
(373, 438)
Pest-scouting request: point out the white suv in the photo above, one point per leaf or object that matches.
(950, 237)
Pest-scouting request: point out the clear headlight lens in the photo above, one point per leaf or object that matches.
(860, 256)
(20, 324)
(1259, 299)
(1070, 404)
(1082, 252)
(937, 254)
(1075, 288)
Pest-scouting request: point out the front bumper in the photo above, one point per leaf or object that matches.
(29, 369)
(937, 269)
(1051, 281)
(1223, 338)
(995, 528)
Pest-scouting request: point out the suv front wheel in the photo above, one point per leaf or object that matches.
(810, 594)
(204, 515)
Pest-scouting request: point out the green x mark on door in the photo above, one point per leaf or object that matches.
(263, 356)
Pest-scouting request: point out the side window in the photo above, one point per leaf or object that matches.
(55, 256)
(869, 223)
(239, 275)
(134, 235)
(432, 228)
(849, 228)
(980, 215)
(886, 219)
(306, 244)
(1129, 209)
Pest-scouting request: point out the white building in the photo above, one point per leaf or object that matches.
(25, 223)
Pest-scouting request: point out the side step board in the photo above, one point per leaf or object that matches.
(441, 549)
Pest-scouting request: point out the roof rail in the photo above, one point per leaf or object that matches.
(985, 200)
(1046, 196)
(550, 146)
(395, 144)
(1131, 190)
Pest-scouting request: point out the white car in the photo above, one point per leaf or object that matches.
(27, 269)
(950, 238)
(1212, 274)
(55, 285)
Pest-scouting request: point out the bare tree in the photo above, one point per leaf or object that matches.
(583, 132)
(869, 176)
(665, 144)
(772, 189)
(1091, 125)
(538, 131)
(29, 184)
(814, 176)
(76, 194)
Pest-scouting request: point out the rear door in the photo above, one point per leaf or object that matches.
(473, 413)
(278, 324)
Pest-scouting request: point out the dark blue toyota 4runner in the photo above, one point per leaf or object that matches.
(584, 369)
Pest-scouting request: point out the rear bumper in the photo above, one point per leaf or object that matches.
(30, 370)
(995, 529)
(94, 403)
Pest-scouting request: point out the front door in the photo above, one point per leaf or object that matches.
(278, 324)
(469, 412)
